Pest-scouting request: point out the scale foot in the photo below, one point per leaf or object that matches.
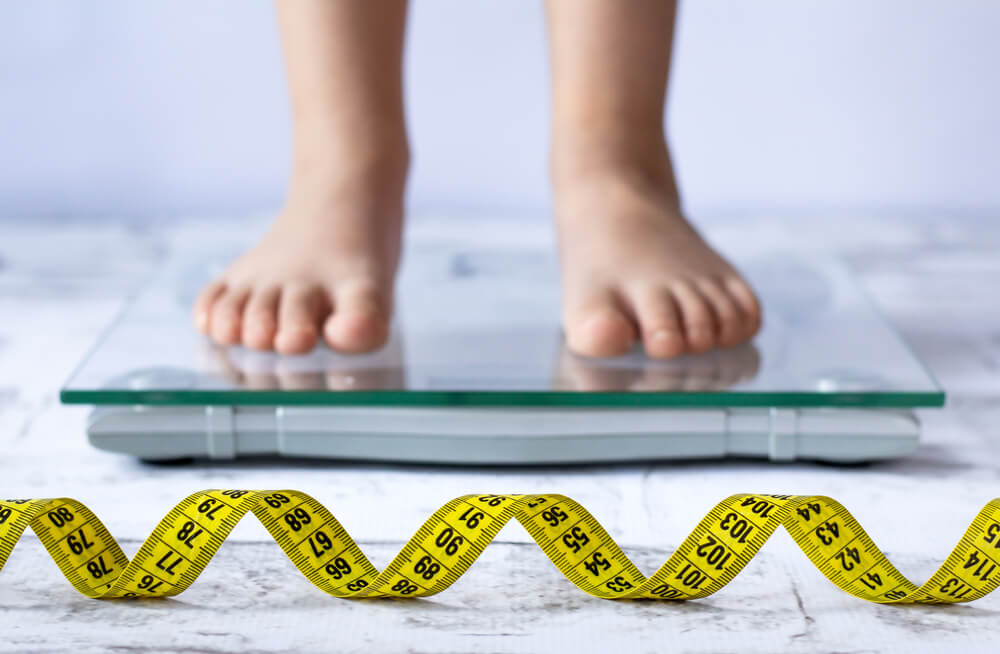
(179, 461)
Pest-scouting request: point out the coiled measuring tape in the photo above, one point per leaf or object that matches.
(450, 541)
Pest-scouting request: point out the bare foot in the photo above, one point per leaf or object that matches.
(325, 269)
(634, 268)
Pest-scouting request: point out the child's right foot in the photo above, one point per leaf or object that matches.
(324, 270)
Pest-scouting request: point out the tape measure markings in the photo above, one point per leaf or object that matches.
(454, 536)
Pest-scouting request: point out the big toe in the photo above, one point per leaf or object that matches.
(360, 318)
(598, 328)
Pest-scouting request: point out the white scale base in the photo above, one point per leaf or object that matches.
(504, 435)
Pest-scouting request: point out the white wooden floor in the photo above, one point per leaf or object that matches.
(936, 279)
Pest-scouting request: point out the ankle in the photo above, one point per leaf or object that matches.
(381, 155)
(324, 173)
(623, 162)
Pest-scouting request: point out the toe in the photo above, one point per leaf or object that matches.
(729, 319)
(748, 302)
(260, 318)
(659, 321)
(203, 305)
(597, 327)
(360, 319)
(299, 314)
(226, 316)
(696, 316)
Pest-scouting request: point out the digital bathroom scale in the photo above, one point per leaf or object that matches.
(476, 373)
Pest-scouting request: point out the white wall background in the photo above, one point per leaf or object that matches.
(141, 108)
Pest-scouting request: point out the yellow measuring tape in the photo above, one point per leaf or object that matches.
(450, 540)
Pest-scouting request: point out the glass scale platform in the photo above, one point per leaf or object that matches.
(476, 373)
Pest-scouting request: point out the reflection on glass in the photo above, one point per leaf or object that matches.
(482, 328)
(386, 370)
(713, 371)
(319, 370)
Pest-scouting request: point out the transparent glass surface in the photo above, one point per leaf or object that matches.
(481, 328)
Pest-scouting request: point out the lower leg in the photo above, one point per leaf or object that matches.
(633, 267)
(326, 267)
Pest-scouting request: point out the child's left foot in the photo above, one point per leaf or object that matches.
(634, 268)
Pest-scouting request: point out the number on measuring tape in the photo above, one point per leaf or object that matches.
(849, 557)
(60, 516)
(338, 568)
(872, 580)
(77, 542)
(449, 541)
(597, 564)
(554, 516)
(427, 568)
(320, 543)
(828, 532)
(98, 568)
(739, 528)
(575, 539)
(956, 588)
(405, 587)
(210, 507)
(619, 585)
(665, 591)
(691, 577)
(471, 517)
(298, 518)
(805, 509)
(357, 585)
(993, 535)
(759, 507)
(715, 553)
(188, 533)
(981, 566)
(275, 500)
(149, 583)
(168, 563)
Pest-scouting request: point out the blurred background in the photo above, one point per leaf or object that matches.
(139, 110)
